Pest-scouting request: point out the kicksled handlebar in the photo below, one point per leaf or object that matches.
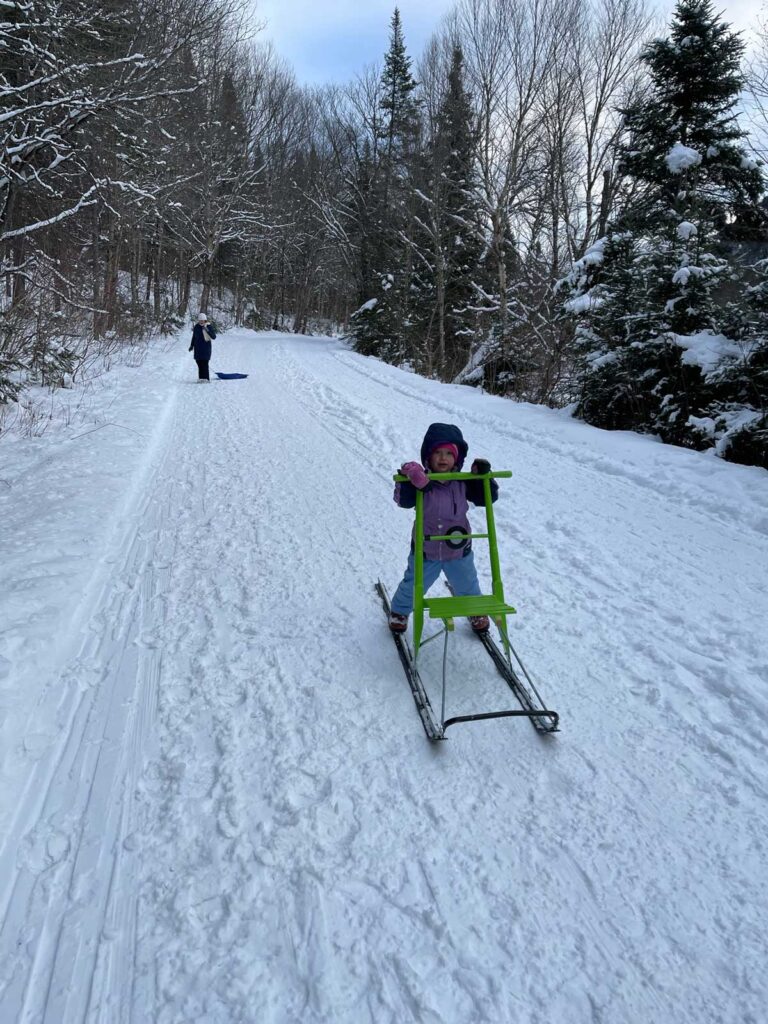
(493, 475)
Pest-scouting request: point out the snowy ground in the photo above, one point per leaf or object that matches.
(217, 803)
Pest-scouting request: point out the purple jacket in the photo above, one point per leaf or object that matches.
(446, 503)
(445, 511)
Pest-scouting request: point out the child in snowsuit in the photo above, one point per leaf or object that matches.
(445, 511)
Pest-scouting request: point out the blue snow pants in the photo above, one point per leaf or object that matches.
(460, 573)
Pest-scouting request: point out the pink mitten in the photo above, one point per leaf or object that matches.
(415, 473)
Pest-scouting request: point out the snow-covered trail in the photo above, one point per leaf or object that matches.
(241, 819)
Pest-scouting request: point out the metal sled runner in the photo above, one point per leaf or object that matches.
(446, 609)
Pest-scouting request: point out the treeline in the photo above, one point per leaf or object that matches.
(446, 213)
(151, 147)
(151, 152)
(671, 304)
(566, 208)
(474, 190)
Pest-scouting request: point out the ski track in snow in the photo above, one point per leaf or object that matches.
(232, 813)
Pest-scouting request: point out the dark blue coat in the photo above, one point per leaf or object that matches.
(201, 347)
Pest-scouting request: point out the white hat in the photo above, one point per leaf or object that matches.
(202, 317)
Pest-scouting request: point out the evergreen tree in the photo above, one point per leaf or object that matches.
(448, 231)
(739, 414)
(651, 298)
(380, 326)
(400, 122)
(371, 325)
(231, 136)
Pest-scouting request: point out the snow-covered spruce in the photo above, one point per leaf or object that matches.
(666, 314)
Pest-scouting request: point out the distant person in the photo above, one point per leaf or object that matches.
(445, 512)
(203, 334)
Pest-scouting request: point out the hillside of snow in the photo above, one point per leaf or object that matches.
(217, 802)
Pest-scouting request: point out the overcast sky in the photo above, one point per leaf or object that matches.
(331, 40)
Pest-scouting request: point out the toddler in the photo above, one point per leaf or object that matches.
(445, 511)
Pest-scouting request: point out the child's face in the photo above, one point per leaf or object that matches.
(441, 460)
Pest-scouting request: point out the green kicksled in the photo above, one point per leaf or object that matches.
(446, 609)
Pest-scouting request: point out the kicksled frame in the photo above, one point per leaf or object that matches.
(446, 609)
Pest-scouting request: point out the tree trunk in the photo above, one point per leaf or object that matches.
(158, 264)
(111, 276)
(95, 250)
(605, 204)
(6, 223)
(19, 280)
(136, 268)
(205, 298)
(440, 302)
(184, 291)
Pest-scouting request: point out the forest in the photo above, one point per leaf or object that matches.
(561, 202)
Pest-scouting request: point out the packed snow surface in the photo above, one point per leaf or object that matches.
(217, 802)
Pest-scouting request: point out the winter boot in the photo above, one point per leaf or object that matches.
(480, 623)
(398, 623)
